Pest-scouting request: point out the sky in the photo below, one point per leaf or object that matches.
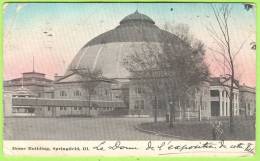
(53, 33)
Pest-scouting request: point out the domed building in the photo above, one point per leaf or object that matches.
(106, 52)
(115, 92)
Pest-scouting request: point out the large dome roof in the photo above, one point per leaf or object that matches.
(135, 27)
(107, 50)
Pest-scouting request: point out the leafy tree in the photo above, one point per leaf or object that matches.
(174, 68)
(143, 65)
(185, 68)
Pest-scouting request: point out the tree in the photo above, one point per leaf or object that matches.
(182, 31)
(90, 79)
(222, 37)
(175, 68)
(143, 65)
(183, 63)
(198, 49)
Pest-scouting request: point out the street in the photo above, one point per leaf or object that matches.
(74, 128)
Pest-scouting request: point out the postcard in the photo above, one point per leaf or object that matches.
(129, 79)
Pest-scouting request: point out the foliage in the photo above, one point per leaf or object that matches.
(173, 68)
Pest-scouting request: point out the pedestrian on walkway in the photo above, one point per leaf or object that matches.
(214, 133)
(219, 131)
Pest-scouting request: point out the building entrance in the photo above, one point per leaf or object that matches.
(215, 111)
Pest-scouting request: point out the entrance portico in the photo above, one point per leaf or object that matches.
(220, 103)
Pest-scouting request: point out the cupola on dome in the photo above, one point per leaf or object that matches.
(136, 17)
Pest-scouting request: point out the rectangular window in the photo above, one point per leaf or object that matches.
(139, 90)
(49, 108)
(136, 104)
(142, 104)
(61, 108)
(77, 93)
(214, 93)
(63, 93)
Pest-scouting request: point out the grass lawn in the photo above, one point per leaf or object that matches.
(195, 130)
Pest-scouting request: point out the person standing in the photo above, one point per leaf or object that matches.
(219, 131)
(214, 135)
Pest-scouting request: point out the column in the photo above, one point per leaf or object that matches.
(224, 103)
(228, 108)
(220, 102)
